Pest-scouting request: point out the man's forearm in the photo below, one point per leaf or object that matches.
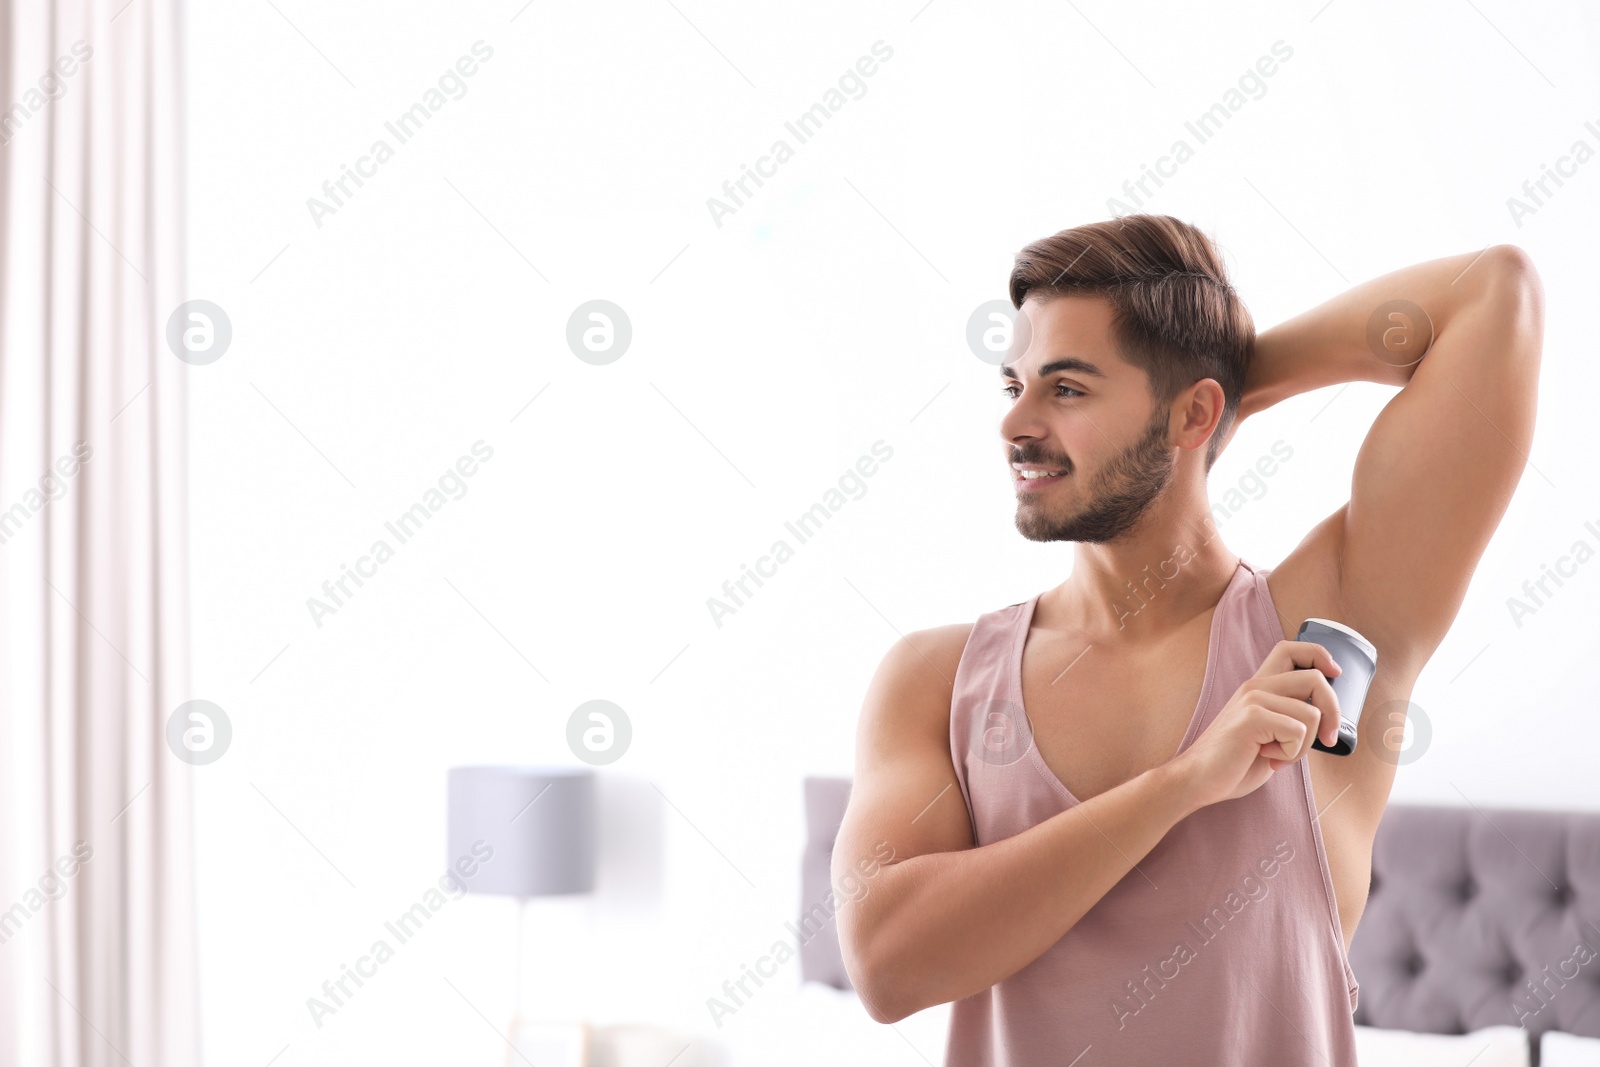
(945, 925)
(1367, 333)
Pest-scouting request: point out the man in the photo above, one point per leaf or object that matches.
(1112, 840)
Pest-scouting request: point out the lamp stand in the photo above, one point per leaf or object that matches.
(516, 1003)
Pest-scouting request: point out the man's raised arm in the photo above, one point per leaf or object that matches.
(1436, 472)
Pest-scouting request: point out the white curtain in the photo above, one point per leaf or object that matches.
(97, 952)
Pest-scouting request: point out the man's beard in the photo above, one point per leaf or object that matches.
(1121, 493)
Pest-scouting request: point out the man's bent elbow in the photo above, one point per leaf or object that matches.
(1510, 269)
(878, 998)
(881, 993)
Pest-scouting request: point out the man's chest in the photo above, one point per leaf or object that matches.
(1102, 715)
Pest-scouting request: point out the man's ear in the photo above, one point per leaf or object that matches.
(1200, 410)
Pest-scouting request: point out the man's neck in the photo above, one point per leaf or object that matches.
(1148, 586)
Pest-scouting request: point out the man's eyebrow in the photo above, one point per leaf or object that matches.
(1071, 363)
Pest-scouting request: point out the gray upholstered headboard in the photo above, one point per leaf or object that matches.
(1481, 917)
(1477, 917)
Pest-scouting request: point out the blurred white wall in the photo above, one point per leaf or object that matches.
(374, 345)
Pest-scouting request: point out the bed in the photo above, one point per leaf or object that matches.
(1482, 924)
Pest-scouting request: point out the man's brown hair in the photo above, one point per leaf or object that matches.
(1174, 315)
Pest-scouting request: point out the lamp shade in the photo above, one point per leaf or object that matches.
(522, 831)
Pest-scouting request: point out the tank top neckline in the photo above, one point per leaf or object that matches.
(1014, 665)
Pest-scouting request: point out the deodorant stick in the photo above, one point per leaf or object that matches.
(1358, 661)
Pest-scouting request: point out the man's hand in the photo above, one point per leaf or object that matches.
(1268, 723)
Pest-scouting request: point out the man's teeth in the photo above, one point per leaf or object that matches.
(1041, 474)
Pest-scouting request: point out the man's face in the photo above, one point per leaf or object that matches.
(1078, 407)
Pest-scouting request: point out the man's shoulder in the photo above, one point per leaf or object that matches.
(951, 640)
(910, 695)
(928, 658)
(939, 647)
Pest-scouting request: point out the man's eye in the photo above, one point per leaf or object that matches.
(1007, 390)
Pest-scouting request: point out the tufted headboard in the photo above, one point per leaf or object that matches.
(1476, 917)
(1481, 917)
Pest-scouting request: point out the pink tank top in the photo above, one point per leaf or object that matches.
(1237, 957)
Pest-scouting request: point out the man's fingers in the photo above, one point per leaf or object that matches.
(1291, 723)
(1310, 687)
(1298, 655)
